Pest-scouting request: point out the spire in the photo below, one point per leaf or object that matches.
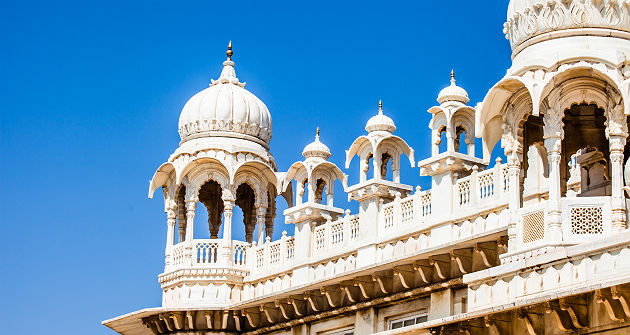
(229, 52)
(380, 107)
(228, 75)
(452, 78)
(317, 134)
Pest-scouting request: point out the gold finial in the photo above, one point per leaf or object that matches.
(229, 51)
(452, 74)
(317, 132)
(380, 105)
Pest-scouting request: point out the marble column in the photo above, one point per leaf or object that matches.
(554, 205)
(171, 216)
(170, 227)
(553, 133)
(228, 207)
(260, 224)
(514, 199)
(190, 219)
(618, 200)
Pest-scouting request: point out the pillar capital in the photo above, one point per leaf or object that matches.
(191, 205)
(553, 126)
(617, 143)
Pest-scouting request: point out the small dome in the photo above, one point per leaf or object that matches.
(453, 93)
(225, 108)
(316, 149)
(380, 122)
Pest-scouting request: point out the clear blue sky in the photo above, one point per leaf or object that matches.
(91, 96)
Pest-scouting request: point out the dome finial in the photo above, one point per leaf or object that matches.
(316, 149)
(229, 51)
(380, 106)
(452, 77)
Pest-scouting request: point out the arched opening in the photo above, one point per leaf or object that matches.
(386, 159)
(442, 141)
(460, 140)
(534, 164)
(270, 215)
(586, 144)
(368, 164)
(181, 214)
(320, 192)
(304, 190)
(245, 200)
(210, 196)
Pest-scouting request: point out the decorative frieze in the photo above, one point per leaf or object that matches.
(547, 16)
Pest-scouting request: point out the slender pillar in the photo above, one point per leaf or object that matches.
(376, 162)
(170, 230)
(260, 223)
(618, 205)
(190, 219)
(189, 255)
(554, 205)
(514, 171)
(228, 207)
(553, 133)
(171, 216)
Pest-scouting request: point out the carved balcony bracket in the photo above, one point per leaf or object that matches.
(383, 281)
(442, 265)
(425, 270)
(365, 285)
(463, 259)
(612, 306)
(405, 275)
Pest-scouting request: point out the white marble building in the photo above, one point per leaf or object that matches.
(538, 244)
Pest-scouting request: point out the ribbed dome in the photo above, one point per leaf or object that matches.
(316, 149)
(380, 122)
(453, 93)
(225, 108)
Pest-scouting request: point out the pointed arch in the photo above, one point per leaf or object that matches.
(358, 147)
(491, 112)
(161, 177)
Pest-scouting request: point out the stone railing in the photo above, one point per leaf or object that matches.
(405, 212)
(209, 253)
(481, 190)
(335, 234)
(271, 256)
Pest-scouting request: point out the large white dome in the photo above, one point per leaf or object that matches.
(225, 109)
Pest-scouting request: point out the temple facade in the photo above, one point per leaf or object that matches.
(536, 243)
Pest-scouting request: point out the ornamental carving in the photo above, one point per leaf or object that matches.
(201, 126)
(553, 125)
(553, 15)
(616, 124)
